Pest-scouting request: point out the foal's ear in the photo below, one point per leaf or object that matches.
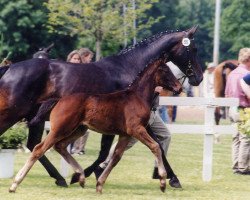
(191, 31)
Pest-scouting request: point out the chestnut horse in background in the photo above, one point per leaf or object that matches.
(24, 86)
(125, 113)
(221, 73)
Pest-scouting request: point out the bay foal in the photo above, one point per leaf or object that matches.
(125, 113)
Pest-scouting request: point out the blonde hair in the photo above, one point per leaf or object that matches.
(85, 52)
(71, 54)
(244, 55)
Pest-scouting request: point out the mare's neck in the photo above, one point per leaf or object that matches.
(150, 49)
(129, 64)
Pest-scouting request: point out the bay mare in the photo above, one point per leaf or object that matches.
(221, 73)
(125, 113)
(27, 84)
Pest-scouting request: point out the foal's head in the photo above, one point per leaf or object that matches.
(166, 79)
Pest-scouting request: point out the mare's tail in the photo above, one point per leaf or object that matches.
(43, 111)
(3, 69)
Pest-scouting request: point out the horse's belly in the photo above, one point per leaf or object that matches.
(104, 127)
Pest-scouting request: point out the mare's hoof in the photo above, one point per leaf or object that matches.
(61, 183)
(155, 174)
(75, 178)
(98, 171)
(174, 182)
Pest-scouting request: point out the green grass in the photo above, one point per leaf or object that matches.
(131, 178)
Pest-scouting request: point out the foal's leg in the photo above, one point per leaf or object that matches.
(142, 135)
(37, 152)
(35, 136)
(174, 181)
(61, 148)
(119, 149)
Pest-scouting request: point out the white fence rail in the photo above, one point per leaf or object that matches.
(208, 129)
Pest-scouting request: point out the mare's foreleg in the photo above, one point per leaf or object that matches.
(119, 150)
(37, 152)
(61, 148)
(35, 137)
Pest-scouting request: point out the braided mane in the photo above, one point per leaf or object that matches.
(146, 41)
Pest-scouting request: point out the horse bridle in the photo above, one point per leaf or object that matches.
(189, 71)
(186, 42)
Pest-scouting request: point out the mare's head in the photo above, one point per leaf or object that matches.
(184, 55)
(166, 79)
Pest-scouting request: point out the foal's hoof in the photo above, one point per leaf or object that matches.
(98, 188)
(175, 183)
(12, 191)
(163, 185)
(82, 180)
(12, 188)
(75, 178)
(61, 183)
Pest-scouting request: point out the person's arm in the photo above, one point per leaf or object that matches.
(245, 87)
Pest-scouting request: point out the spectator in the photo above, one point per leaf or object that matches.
(74, 57)
(86, 55)
(241, 143)
(208, 82)
(83, 55)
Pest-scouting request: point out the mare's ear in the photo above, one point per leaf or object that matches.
(191, 31)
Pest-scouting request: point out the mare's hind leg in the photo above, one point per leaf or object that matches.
(37, 152)
(61, 148)
(119, 149)
(35, 137)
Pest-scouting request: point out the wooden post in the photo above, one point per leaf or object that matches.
(208, 143)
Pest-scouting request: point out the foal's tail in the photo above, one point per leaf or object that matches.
(3, 69)
(43, 111)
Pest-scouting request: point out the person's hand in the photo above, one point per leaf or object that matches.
(159, 89)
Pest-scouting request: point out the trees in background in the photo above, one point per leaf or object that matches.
(98, 21)
(235, 27)
(23, 26)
